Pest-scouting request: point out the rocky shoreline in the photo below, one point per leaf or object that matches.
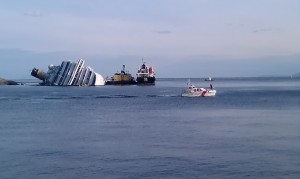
(7, 82)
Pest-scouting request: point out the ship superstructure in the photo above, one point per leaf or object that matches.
(69, 74)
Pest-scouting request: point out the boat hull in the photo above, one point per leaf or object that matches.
(120, 82)
(199, 94)
(145, 80)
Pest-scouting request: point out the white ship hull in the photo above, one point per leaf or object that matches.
(204, 93)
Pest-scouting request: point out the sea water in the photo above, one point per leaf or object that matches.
(250, 129)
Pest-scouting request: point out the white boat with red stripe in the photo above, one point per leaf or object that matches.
(193, 91)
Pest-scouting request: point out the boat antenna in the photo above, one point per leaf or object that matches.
(189, 82)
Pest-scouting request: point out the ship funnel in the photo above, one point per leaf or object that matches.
(38, 74)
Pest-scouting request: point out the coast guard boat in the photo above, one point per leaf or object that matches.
(193, 91)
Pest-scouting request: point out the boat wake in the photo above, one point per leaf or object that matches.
(116, 96)
(162, 96)
(60, 98)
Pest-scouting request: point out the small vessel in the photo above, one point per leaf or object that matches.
(209, 79)
(145, 75)
(123, 78)
(69, 74)
(193, 91)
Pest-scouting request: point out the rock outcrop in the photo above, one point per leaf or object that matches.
(7, 82)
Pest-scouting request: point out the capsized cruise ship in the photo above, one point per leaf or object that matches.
(69, 74)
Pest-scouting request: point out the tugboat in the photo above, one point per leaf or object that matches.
(145, 75)
(123, 78)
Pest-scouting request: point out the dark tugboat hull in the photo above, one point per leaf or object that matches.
(145, 80)
(120, 82)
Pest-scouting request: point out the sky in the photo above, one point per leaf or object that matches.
(179, 38)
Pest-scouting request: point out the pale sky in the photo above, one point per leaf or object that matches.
(180, 38)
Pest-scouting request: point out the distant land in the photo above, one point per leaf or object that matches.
(297, 75)
(186, 66)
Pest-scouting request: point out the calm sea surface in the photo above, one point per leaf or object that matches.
(251, 129)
